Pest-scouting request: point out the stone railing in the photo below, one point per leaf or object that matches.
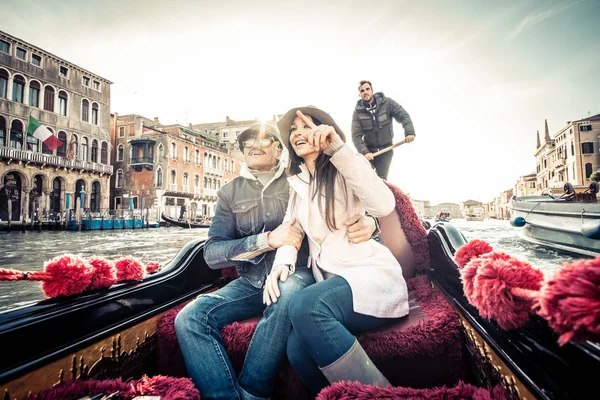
(48, 159)
(214, 171)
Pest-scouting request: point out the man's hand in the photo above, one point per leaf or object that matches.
(369, 156)
(409, 138)
(360, 228)
(285, 234)
(271, 292)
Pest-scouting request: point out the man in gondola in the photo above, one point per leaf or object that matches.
(245, 229)
(372, 128)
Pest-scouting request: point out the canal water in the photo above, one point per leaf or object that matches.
(28, 251)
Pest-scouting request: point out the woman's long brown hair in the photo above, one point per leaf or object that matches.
(325, 176)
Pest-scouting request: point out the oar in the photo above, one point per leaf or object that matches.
(389, 148)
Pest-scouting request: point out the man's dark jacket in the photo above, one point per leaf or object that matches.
(371, 132)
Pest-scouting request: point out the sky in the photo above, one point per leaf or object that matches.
(478, 78)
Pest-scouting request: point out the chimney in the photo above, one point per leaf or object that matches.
(546, 134)
(538, 140)
(156, 121)
(190, 126)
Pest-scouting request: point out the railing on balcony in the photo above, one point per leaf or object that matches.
(214, 171)
(186, 188)
(48, 159)
(197, 190)
(142, 160)
(173, 187)
(210, 192)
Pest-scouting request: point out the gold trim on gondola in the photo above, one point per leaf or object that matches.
(511, 384)
(84, 363)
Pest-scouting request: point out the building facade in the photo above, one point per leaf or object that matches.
(452, 208)
(571, 155)
(526, 186)
(74, 104)
(168, 169)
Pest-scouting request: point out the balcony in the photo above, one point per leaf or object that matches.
(186, 188)
(138, 163)
(29, 157)
(210, 192)
(214, 171)
(173, 187)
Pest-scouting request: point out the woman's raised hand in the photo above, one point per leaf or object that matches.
(319, 136)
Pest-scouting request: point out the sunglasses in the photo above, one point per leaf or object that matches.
(258, 142)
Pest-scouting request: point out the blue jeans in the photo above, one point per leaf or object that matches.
(198, 328)
(323, 321)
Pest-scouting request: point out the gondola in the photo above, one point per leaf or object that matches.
(122, 338)
(183, 224)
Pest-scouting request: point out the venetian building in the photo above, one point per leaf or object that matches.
(170, 169)
(526, 186)
(570, 156)
(74, 104)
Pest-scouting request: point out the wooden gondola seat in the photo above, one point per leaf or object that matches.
(421, 350)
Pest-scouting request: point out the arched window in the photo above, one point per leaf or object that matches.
(214, 162)
(119, 180)
(159, 178)
(95, 113)
(197, 157)
(186, 154)
(49, 98)
(95, 197)
(3, 83)
(34, 94)
(232, 167)
(205, 183)
(104, 153)
(173, 151)
(120, 153)
(18, 89)
(55, 196)
(219, 166)
(173, 177)
(45, 148)
(2, 130)
(84, 149)
(161, 152)
(62, 150)
(588, 170)
(94, 157)
(197, 181)
(75, 147)
(62, 103)
(185, 179)
(85, 110)
(205, 160)
(16, 134)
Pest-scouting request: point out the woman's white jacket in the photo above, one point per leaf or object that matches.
(374, 275)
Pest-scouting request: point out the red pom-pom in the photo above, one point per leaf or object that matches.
(104, 275)
(570, 301)
(503, 290)
(129, 269)
(64, 275)
(152, 267)
(469, 271)
(473, 249)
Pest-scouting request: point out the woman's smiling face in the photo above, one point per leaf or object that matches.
(299, 138)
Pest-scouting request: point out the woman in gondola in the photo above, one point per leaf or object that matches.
(359, 287)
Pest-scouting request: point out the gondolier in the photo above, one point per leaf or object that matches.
(372, 128)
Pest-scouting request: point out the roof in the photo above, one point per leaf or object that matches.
(198, 134)
(590, 118)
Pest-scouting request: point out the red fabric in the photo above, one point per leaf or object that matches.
(570, 301)
(152, 267)
(357, 391)
(129, 269)
(467, 252)
(104, 275)
(415, 233)
(469, 271)
(64, 275)
(166, 387)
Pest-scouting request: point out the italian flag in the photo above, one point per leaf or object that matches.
(39, 131)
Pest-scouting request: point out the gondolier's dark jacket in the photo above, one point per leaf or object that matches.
(371, 133)
(246, 209)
